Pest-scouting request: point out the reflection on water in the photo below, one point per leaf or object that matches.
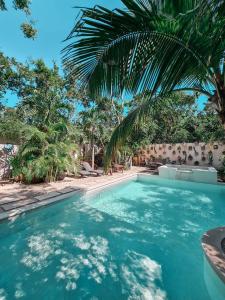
(137, 242)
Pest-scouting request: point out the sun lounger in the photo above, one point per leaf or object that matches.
(89, 169)
(84, 173)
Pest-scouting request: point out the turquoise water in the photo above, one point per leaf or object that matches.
(139, 240)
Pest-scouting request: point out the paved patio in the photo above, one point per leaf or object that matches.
(18, 198)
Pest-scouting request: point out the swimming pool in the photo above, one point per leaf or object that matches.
(138, 240)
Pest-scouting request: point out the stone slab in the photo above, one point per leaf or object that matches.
(68, 190)
(17, 204)
(9, 199)
(4, 216)
(47, 196)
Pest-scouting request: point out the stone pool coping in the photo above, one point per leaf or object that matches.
(11, 206)
(212, 246)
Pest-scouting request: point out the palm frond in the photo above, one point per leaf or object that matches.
(141, 61)
(147, 50)
(132, 122)
(2, 5)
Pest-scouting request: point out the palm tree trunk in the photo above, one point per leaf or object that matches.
(221, 109)
(219, 98)
(222, 118)
(93, 150)
(93, 157)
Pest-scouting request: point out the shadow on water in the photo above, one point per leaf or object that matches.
(73, 253)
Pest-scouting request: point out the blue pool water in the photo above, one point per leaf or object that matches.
(138, 240)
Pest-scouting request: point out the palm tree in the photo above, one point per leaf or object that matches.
(44, 156)
(157, 46)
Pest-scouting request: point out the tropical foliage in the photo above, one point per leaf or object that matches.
(45, 96)
(98, 119)
(41, 123)
(155, 46)
(176, 119)
(127, 70)
(24, 5)
(44, 156)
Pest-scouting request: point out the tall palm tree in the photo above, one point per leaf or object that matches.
(150, 45)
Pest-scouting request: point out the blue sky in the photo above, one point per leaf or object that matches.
(54, 20)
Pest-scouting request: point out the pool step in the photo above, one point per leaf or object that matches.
(183, 174)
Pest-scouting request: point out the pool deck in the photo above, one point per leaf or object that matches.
(18, 198)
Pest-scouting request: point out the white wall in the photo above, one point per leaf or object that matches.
(172, 151)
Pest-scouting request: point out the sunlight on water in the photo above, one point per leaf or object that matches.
(137, 241)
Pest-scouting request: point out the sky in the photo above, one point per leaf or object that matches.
(54, 19)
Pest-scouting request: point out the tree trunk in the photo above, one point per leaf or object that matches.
(93, 157)
(219, 98)
(222, 118)
(93, 150)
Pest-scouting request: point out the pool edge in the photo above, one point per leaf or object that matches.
(212, 246)
(7, 215)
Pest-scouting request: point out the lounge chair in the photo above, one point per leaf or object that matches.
(88, 168)
(118, 168)
(84, 173)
